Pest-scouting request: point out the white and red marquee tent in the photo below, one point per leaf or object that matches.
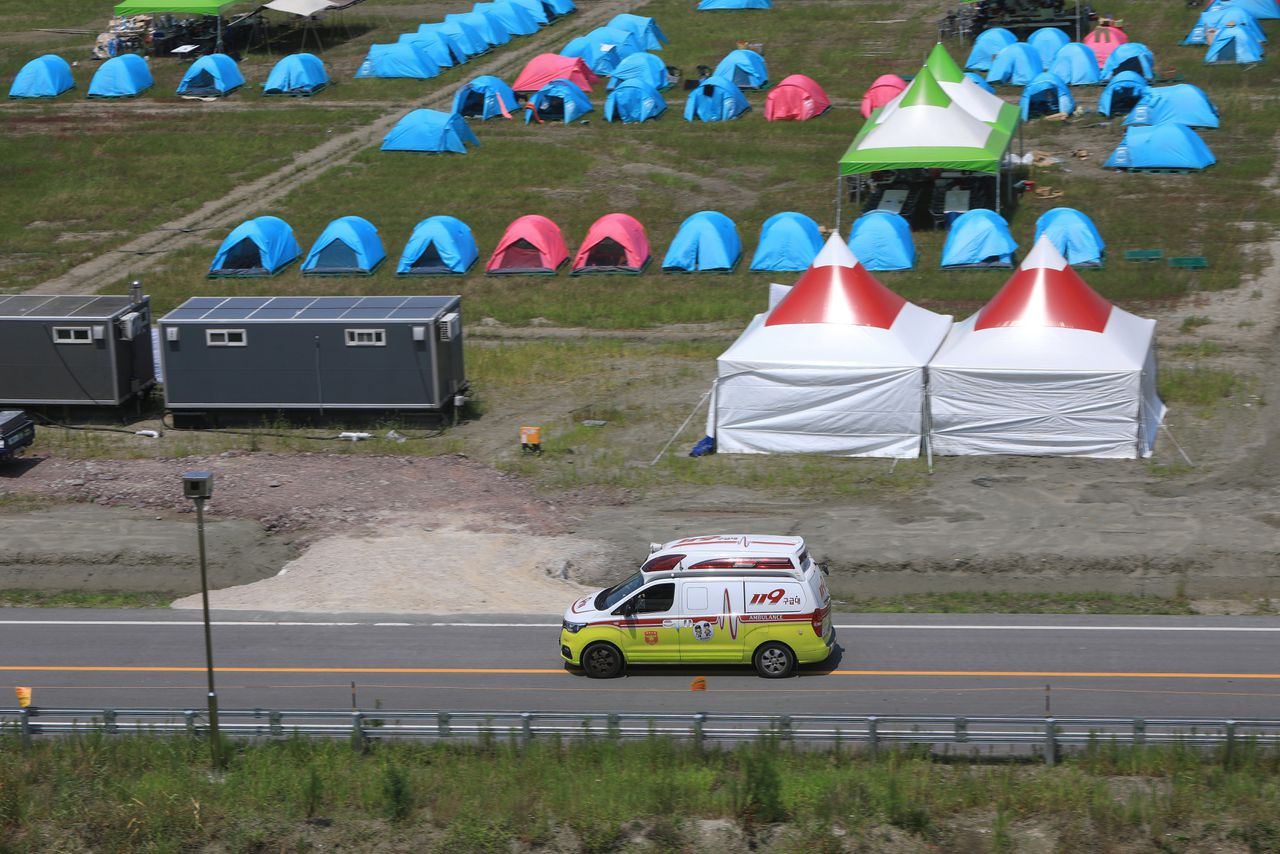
(1047, 367)
(835, 367)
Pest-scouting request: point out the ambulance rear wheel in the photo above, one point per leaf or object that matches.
(602, 661)
(774, 660)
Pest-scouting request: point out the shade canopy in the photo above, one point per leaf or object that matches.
(190, 7)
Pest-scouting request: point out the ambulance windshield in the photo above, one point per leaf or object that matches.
(611, 596)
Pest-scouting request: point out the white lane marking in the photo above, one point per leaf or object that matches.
(860, 626)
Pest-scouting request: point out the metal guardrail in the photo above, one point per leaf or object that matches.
(1044, 735)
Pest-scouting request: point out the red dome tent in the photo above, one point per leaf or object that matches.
(545, 67)
(885, 88)
(1047, 367)
(615, 243)
(798, 98)
(532, 245)
(1103, 40)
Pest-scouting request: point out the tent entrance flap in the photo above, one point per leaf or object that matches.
(245, 257)
(521, 255)
(607, 253)
(430, 261)
(337, 257)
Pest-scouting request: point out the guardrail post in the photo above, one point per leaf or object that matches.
(526, 727)
(873, 736)
(273, 719)
(1139, 732)
(962, 730)
(442, 724)
(24, 726)
(189, 718)
(1229, 752)
(613, 724)
(109, 721)
(784, 727)
(1050, 741)
(357, 730)
(699, 719)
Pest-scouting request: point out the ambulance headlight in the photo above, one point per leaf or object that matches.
(573, 628)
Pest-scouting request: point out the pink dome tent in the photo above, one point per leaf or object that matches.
(797, 98)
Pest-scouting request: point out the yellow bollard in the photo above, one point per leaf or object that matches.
(699, 683)
(531, 440)
(24, 696)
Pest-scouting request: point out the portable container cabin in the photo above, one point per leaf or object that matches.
(312, 353)
(75, 350)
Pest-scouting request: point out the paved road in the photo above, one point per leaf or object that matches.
(889, 664)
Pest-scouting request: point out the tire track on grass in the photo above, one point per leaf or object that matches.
(150, 248)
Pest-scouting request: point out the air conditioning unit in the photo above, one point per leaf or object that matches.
(450, 326)
(132, 325)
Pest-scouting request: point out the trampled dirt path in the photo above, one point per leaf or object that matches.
(151, 248)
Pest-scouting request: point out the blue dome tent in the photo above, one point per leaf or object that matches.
(881, 240)
(1077, 65)
(641, 66)
(471, 39)
(430, 131)
(559, 8)
(1045, 95)
(648, 35)
(536, 9)
(348, 246)
(1130, 56)
(715, 100)
(745, 68)
(602, 48)
(514, 17)
(455, 39)
(1220, 16)
(1233, 45)
(987, 46)
(437, 46)
(45, 76)
(1122, 92)
(979, 238)
(486, 97)
(439, 246)
(486, 24)
(634, 101)
(212, 75)
(789, 241)
(1262, 10)
(1017, 64)
(1048, 41)
(262, 246)
(1182, 103)
(721, 5)
(123, 76)
(1168, 146)
(1074, 235)
(403, 59)
(980, 81)
(559, 100)
(296, 74)
(707, 242)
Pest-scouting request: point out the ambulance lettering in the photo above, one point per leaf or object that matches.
(784, 597)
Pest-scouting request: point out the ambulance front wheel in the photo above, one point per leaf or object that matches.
(774, 660)
(602, 661)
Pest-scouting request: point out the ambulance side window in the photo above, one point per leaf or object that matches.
(657, 598)
(696, 600)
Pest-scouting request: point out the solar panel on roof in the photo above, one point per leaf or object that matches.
(435, 303)
(381, 302)
(245, 302)
(335, 302)
(229, 314)
(410, 314)
(185, 314)
(369, 313)
(289, 302)
(202, 302)
(321, 313)
(275, 314)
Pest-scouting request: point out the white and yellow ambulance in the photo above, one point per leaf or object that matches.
(725, 598)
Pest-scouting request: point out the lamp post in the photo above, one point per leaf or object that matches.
(198, 486)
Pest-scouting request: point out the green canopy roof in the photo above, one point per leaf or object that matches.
(944, 68)
(930, 130)
(189, 7)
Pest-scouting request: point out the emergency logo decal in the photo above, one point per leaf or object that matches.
(703, 630)
(583, 604)
(731, 618)
(651, 638)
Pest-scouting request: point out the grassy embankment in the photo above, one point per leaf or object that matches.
(152, 794)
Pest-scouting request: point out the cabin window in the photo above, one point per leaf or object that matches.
(72, 335)
(366, 337)
(226, 337)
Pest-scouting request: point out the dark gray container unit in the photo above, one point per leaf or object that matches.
(75, 350)
(312, 353)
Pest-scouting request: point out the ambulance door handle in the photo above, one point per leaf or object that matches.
(671, 624)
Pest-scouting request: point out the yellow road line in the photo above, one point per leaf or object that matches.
(535, 671)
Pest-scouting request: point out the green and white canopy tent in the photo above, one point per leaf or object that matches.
(942, 120)
(177, 7)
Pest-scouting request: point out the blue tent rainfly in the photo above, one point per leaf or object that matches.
(979, 238)
(1074, 235)
(745, 68)
(881, 240)
(1182, 103)
(212, 75)
(45, 76)
(430, 131)
(297, 74)
(789, 241)
(641, 66)
(634, 101)
(1165, 146)
(707, 242)
(439, 246)
(262, 246)
(348, 246)
(402, 59)
(715, 100)
(485, 97)
(559, 100)
(123, 76)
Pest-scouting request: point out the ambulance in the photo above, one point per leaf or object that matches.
(725, 598)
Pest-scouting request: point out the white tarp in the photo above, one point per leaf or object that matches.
(1046, 390)
(304, 8)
